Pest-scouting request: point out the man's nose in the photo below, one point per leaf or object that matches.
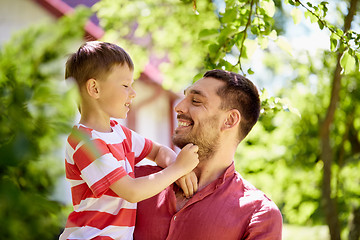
(180, 107)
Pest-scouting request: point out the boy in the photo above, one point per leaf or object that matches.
(101, 154)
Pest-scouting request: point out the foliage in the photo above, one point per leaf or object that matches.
(340, 41)
(184, 38)
(199, 35)
(282, 154)
(35, 108)
(165, 31)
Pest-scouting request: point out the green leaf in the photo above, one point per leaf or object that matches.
(357, 60)
(324, 8)
(229, 16)
(264, 94)
(339, 32)
(269, 7)
(250, 71)
(226, 33)
(321, 25)
(273, 35)
(324, 3)
(333, 44)
(263, 42)
(214, 51)
(335, 36)
(347, 62)
(313, 18)
(296, 15)
(284, 45)
(207, 34)
(197, 77)
(251, 46)
(255, 30)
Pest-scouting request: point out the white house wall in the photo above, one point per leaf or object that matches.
(152, 113)
(16, 15)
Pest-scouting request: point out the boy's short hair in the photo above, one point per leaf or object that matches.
(238, 93)
(95, 59)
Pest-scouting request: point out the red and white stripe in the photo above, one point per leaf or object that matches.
(93, 162)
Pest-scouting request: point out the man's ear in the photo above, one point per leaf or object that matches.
(232, 120)
(92, 88)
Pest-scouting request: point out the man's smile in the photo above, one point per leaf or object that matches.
(183, 124)
(184, 121)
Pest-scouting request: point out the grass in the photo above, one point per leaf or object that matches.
(293, 232)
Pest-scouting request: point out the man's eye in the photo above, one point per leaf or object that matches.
(196, 101)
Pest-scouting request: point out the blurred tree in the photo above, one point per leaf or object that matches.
(326, 123)
(317, 156)
(36, 107)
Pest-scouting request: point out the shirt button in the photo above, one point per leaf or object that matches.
(174, 218)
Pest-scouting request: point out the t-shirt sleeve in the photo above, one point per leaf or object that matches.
(98, 167)
(266, 223)
(141, 146)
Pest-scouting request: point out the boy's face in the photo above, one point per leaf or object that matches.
(116, 92)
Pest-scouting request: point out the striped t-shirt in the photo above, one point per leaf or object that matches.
(95, 160)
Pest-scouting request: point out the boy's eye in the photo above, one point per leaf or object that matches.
(126, 86)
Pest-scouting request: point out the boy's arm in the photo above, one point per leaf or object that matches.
(161, 155)
(138, 189)
(164, 156)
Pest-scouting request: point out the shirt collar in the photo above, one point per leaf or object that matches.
(228, 173)
(217, 182)
(220, 180)
(209, 189)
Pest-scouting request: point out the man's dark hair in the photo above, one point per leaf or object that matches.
(238, 93)
(95, 59)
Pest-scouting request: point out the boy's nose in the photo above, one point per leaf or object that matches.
(133, 93)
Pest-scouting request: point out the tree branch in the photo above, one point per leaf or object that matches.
(321, 20)
(245, 35)
(330, 204)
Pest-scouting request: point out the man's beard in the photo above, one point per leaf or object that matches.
(206, 137)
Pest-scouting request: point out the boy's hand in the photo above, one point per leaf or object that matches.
(188, 184)
(187, 159)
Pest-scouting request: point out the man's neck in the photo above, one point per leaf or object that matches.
(212, 167)
(210, 170)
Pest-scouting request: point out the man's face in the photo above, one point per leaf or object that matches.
(199, 117)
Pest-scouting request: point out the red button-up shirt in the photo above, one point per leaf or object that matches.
(228, 208)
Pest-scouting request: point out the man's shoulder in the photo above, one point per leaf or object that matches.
(145, 170)
(265, 217)
(253, 194)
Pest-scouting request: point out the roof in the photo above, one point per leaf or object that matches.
(59, 8)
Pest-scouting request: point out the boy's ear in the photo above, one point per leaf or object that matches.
(232, 120)
(92, 88)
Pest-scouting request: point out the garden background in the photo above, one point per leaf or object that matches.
(303, 55)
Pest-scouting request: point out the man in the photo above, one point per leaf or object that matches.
(217, 113)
